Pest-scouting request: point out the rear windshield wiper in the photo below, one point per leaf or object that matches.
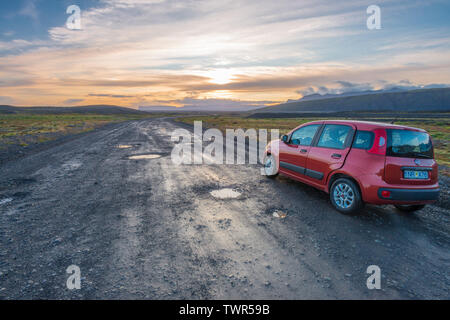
(413, 155)
(421, 155)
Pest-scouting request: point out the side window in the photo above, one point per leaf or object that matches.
(334, 136)
(363, 140)
(305, 135)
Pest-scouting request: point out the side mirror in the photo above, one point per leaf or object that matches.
(285, 138)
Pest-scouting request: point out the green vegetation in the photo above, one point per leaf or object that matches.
(26, 128)
(439, 129)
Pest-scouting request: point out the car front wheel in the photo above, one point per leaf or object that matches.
(270, 166)
(345, 196)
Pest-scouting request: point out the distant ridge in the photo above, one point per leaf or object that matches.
(98, 109)
(204, 108)
(410, 101)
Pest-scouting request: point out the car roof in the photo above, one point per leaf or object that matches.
(369, 125)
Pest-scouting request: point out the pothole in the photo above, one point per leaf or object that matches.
(280, 214)
(144, 156)
(124, 146)
(72, 165)
(226, 193)
(5, 201)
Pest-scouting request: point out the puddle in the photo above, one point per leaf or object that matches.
(279, 214)
(124, 146)
(72, 165)
(5, 201)
(144, 156)
(225, 194)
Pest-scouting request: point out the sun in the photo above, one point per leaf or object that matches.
(220, 76)
(218, 94)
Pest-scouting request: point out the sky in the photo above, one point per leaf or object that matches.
(207, 52)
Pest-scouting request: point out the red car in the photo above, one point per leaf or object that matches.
(359, 162)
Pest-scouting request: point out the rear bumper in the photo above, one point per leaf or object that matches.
(412, 195)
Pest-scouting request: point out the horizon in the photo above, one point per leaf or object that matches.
(238, 107)
(133, 53)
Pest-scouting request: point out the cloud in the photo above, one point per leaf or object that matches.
(6, 100)
(209, 104)
(346, 87)
(72, 101)
(224, 103)
(136, 52)
(342, 87)
(30, 10)
(20, 44)
(15, 83)
(109, 95)
(131, 3)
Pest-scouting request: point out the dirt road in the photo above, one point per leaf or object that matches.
(148, 229)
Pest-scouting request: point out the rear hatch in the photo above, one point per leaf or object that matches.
(409, 158)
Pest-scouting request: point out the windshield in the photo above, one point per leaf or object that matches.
(409, 144)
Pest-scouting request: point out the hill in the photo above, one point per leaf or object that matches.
(422, 100)
(97, 109)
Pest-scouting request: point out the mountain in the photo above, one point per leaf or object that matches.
(410, 101)
(97, 109)
(318, 96)
(202, 108)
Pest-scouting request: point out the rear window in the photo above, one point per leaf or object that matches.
(363, 140)
(409, 144)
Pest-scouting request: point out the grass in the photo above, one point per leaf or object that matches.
(25, 128)
(439, 129)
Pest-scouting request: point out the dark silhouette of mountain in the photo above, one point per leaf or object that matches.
(318, 96)
(97, 109)
(7, 109)
(206, 108)
(410, 101)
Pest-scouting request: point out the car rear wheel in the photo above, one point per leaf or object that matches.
(409, 208)
(345, 196)
(270, 166)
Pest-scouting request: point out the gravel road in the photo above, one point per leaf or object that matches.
(148, 229)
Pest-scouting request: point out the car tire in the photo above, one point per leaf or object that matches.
(409, 208)
(345, 196)
(270, 166)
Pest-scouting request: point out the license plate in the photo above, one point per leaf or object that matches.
(415, 174)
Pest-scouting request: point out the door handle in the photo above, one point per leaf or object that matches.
(336, 155)
(303, 150)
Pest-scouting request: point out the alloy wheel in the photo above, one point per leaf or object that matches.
(344, 195)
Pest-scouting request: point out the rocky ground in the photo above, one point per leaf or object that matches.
(148, 229)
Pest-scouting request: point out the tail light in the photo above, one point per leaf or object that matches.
(379, 142)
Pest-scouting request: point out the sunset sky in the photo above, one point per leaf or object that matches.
(188, 52)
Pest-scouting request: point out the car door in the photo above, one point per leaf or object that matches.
(330, 151)
(294, 153)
